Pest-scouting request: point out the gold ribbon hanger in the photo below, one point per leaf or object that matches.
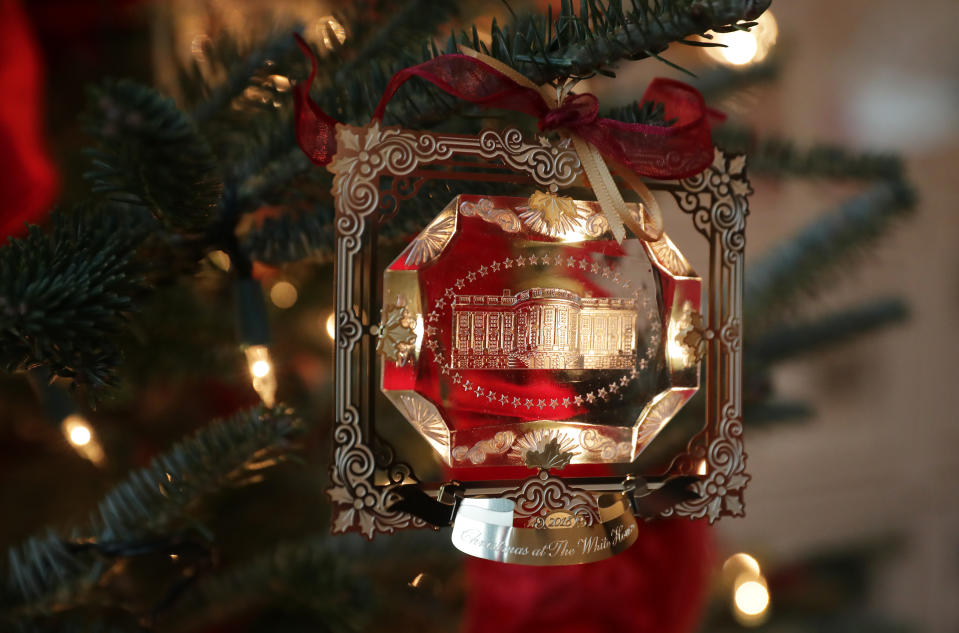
(594, 165)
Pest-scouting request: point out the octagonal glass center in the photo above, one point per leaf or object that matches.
(518, 332)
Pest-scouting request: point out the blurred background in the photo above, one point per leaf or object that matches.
(852, 517)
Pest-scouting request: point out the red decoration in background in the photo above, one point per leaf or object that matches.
(28, 181)
(656, 586)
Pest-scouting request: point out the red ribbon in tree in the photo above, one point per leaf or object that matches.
(665, 152)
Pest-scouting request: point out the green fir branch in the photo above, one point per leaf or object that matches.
(289, 179)
(771, 411)
(825, 332)
(800, 265)
(256, 134)
(572, 44)
(150, 155)
(722, 81)
(311, 575)
(78, 621)
(311, 234)
(774, 156)
(54, 568)
(407, 21)
(292, 237)
(600, 34)
(226, 57)
(65, 294)
(645, 113)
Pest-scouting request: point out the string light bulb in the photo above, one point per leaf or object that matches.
(254, 335)
(262, 373)
(746, 47)
(324, 25)
(79, 434)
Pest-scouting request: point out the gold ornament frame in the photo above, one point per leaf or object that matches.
(364, 469)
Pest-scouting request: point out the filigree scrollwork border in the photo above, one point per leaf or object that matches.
(363, 471)
(717, 199)
(542, 494)
(360, 497)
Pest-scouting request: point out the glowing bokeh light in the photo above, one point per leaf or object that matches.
(261, 370)
(331, 326)
(80, 435)
(741, 48)
(78, 432)
(746, 47)
(751, 598)
(742, 562)
(220, 259)
(283, 294)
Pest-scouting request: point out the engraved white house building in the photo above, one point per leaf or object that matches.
(543, 328)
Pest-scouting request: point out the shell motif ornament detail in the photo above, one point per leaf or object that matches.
(544, 449)
(551, 214)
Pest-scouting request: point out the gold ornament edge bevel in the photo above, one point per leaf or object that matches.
(360, 462)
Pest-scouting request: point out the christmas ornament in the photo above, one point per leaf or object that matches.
(537, 343)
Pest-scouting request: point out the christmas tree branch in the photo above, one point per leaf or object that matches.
(293, 237)
(84, 621)
(408, 21)
(603, 33)
(53, 570)
(149, 154)
(775, 156)
(826, 331)
(65, 294)
(225, 57)
(310, 232)
(336, 583)
(769, 412)
(309, 575)
(721, 81)
(802, 263)
(545, 48)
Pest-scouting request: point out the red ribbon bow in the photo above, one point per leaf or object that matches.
(669, 152)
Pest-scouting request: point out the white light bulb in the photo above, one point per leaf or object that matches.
(78, 432)
(80, 436)
(261, 370)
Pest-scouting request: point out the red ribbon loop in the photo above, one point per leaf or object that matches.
(315, 129)
(679, 150)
